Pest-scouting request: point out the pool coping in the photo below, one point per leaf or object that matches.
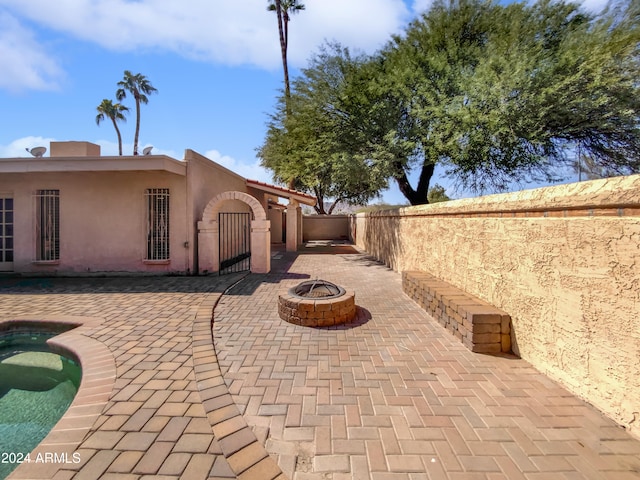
(59, 447)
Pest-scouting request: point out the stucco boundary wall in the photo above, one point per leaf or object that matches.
(325, 227)
(563, 261)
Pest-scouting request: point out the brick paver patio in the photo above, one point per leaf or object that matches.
(154, 423)
(394, 395)
(390, 396)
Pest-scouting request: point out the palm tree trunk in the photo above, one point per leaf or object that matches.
(283, 50)
(285, 59)
(115, 125)
(135, 137)
(287, 87)
(285, 68)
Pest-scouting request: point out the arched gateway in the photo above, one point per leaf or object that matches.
(208, 230)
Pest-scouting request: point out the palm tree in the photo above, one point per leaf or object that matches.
(283, 8)
(139, 87)
(114, 111)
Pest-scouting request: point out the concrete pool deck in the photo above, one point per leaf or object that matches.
(390, 396)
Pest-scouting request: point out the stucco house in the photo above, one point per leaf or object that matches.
(76, 212)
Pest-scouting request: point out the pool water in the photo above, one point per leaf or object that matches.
(36, 387)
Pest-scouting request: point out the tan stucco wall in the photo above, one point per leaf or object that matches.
(563, 261)
(205, 180)
(103, 207)
(325, 227)
(102, 220)
(275, 217)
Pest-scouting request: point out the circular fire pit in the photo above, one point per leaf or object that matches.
(317, 303)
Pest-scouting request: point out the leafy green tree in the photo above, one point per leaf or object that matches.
(139, 87)
(115, 112)
(311, 144)
(437, 194)
(493, 94)
(498, 94)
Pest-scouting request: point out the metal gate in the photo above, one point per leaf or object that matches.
(234, 240)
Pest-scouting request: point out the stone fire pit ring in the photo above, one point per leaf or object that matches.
(317, 303)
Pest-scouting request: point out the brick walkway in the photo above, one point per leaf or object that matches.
(391, 396)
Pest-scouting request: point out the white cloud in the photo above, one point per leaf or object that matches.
(594, 6)
(18, 147)
(25, 65)
(420, 6)
(223, 32)
(363, 24)
(231, 33)
(251, 171)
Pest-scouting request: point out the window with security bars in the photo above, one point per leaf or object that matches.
(47, 225)
(157, 223)
(6, 231)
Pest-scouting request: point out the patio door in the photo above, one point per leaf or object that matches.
(6, 234)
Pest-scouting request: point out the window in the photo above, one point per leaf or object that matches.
(47, 225)
(6, 233)
(157, 224)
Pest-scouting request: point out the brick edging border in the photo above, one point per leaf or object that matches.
(246, 456)
(96, 385)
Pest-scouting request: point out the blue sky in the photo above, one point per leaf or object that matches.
(216, 65)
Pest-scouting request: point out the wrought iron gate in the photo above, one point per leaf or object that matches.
(234, 240)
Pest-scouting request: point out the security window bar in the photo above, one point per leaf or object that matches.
(6, 230)
(47, 225)
(157, 224)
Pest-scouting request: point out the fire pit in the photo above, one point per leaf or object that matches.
(317, 303)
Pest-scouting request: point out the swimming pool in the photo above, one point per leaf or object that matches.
(37, 386)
